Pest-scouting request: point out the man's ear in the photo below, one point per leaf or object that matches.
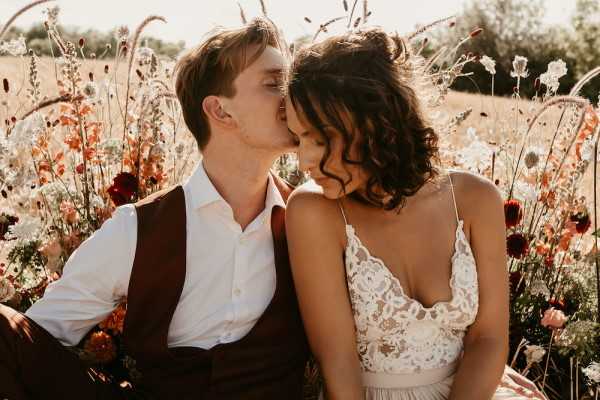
(213, 108)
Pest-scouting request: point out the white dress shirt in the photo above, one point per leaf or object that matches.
(230, 273)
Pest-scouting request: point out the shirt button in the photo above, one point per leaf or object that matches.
(237, 292)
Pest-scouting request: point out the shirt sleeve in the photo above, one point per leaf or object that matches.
(95, 278)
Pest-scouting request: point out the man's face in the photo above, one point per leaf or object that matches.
(257, 105)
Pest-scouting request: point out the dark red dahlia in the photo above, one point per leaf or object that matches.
(517, 245)
(5, 222)
(512, 213)
(126, 183)
(117, 197)
(123, 189)
(582, 221)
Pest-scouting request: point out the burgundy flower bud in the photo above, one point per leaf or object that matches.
(517, 245)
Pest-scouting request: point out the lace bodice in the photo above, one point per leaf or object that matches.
(397, 334)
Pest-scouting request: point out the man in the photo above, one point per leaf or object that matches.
(212, 312)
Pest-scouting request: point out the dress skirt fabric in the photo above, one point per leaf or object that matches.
(436, 385)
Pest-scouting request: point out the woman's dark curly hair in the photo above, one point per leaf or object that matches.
(372, 78)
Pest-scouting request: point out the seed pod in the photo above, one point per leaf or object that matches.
(452, 24)
(308, 20)
(536, 84)
(106, 69)
(6, 86)
(91, 76)
(81, 42)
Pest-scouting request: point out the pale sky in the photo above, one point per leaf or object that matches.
(190, 20)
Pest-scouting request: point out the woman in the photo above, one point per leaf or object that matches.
(390, 255)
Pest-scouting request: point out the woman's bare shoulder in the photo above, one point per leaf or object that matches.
(308, 210)
(476, 195)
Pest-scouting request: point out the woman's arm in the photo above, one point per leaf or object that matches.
(316, 239)
(486, 342)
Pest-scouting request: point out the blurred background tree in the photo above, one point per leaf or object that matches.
(516, 27)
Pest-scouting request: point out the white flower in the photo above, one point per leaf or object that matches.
(548, 80)
(557, 68)
(7, 290)
(534, 354)
(144, 55)
(577, 334)
(24, 130)
(15, 47)
(489, 64)
(25, 230)
(519, 67)
(538, 287)
(477, 156)
(592, 371)
(525, 192)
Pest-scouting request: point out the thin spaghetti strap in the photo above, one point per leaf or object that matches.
(342, 210)
(453, 197)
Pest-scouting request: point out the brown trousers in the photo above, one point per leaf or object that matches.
(34, 365)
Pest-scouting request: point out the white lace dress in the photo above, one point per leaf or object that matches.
(409, 351)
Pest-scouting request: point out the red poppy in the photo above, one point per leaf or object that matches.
(582, 220)
(512, 213)
(517, 245)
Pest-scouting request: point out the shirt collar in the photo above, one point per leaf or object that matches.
(274, 197)
(203, 192)
(201, 189)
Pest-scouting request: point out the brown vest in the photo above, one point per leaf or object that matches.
(268, 363)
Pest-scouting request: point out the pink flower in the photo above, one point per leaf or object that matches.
(553, 318)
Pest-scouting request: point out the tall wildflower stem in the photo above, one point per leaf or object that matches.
(547, 360)
(134, 42)
(19, 13)
(596, 237)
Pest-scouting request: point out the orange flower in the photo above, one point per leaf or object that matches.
(73, 140)
(69, 212)
(541, 248)
(565, 239)
(114, 322)
(101, 346)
